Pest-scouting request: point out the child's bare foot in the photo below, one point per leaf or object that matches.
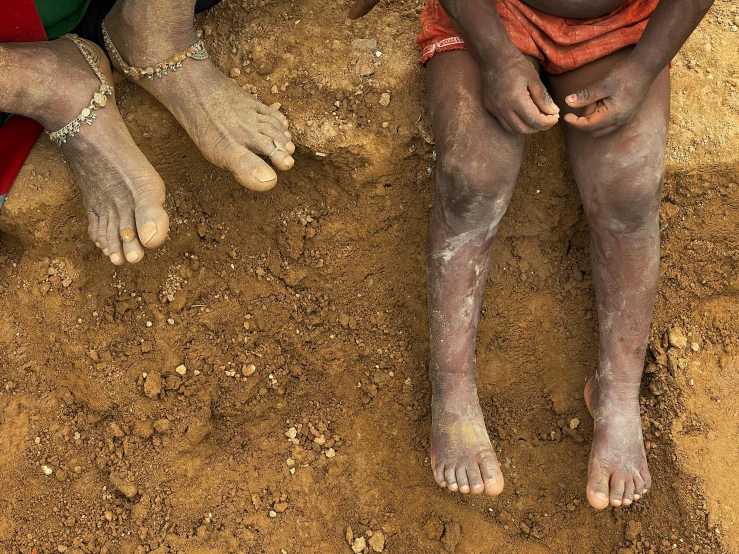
(617, 471)
(227, 124)
(461, 454)
(123, 193)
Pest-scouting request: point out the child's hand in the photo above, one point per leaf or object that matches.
(362, 8)
(514, 94)
(610, 102)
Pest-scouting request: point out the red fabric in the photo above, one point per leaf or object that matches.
(17, 137)
(20, 22)
(559, 43)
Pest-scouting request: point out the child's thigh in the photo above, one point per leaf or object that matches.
(627, 164)
(471, 145)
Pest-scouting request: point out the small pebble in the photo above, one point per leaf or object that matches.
(385, 99)
(359, 545)
(330, 453)
(181, 369)
(170, 321)
(149, 324)
(272, 513)
(248, 370)
(574, 422)
(291, 433)
(47, 470)
(235, 72)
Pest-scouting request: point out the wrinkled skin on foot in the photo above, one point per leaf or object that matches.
(229, 126)
(462, 456)
(617, 470)
(122, 191)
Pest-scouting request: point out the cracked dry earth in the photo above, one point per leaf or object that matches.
(257, 385)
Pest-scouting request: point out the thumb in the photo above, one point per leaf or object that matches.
(541, 98)
(588, 95)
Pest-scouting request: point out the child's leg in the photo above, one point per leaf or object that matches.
(477, 166)
(620, 181)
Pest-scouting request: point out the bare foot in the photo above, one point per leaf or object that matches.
(617, 471)
(123, 193)
(462, 456)
(229, 126)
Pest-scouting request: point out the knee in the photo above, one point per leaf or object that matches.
(475, 192)
(625, 198)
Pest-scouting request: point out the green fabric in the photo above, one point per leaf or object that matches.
(60, 16)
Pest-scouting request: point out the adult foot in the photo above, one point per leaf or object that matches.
(123, 193)
(462, 456)
(229, 126)
(617, 471)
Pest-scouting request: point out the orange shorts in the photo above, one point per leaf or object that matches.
(559, 43)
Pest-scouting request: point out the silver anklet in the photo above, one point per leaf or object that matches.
(99, 99)
(196, 52)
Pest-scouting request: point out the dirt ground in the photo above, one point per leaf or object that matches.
(258, 384)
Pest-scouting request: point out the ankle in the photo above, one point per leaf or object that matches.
(149, 30)
(445, 383)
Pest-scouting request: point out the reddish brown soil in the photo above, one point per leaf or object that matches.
(320, 285)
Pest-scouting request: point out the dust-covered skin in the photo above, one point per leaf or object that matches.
(229, 126)
(52, 83)
(473, 192)
(621, 197)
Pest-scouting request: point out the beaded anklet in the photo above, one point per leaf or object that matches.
(99, 99)
(196, 52)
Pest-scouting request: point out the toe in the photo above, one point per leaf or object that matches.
(491, 475)
(618, 485)
(115, 245)
(102, 236)
(462, 481)
(249, 169)
(475, 479)
(638, 486)
(450, 476)
(439, 475)
(277, 148)
(152, 224)
(92, 227)
(628, 491)
(133, 251)
(273, 112)
(597, 489)
(647, 478)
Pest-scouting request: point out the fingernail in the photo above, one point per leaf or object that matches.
(148, 230)
(571, 98)
(264, 174)
(132, 256)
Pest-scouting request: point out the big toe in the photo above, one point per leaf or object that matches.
(597, 489)
(250, 170)
(152, 223)
(491, 475)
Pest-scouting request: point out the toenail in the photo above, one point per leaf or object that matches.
(148, 230)
(115, 258)
(264, 174)
(132, 256)
(106, 252)
(637, 496)
(128, 234)
(289, 161)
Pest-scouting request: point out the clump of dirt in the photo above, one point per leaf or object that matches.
(258, 384)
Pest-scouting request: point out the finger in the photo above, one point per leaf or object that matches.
(598, 120)
(533, 118)
(588, 95)
(362, 8)
(516, 125)
(542, 99)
